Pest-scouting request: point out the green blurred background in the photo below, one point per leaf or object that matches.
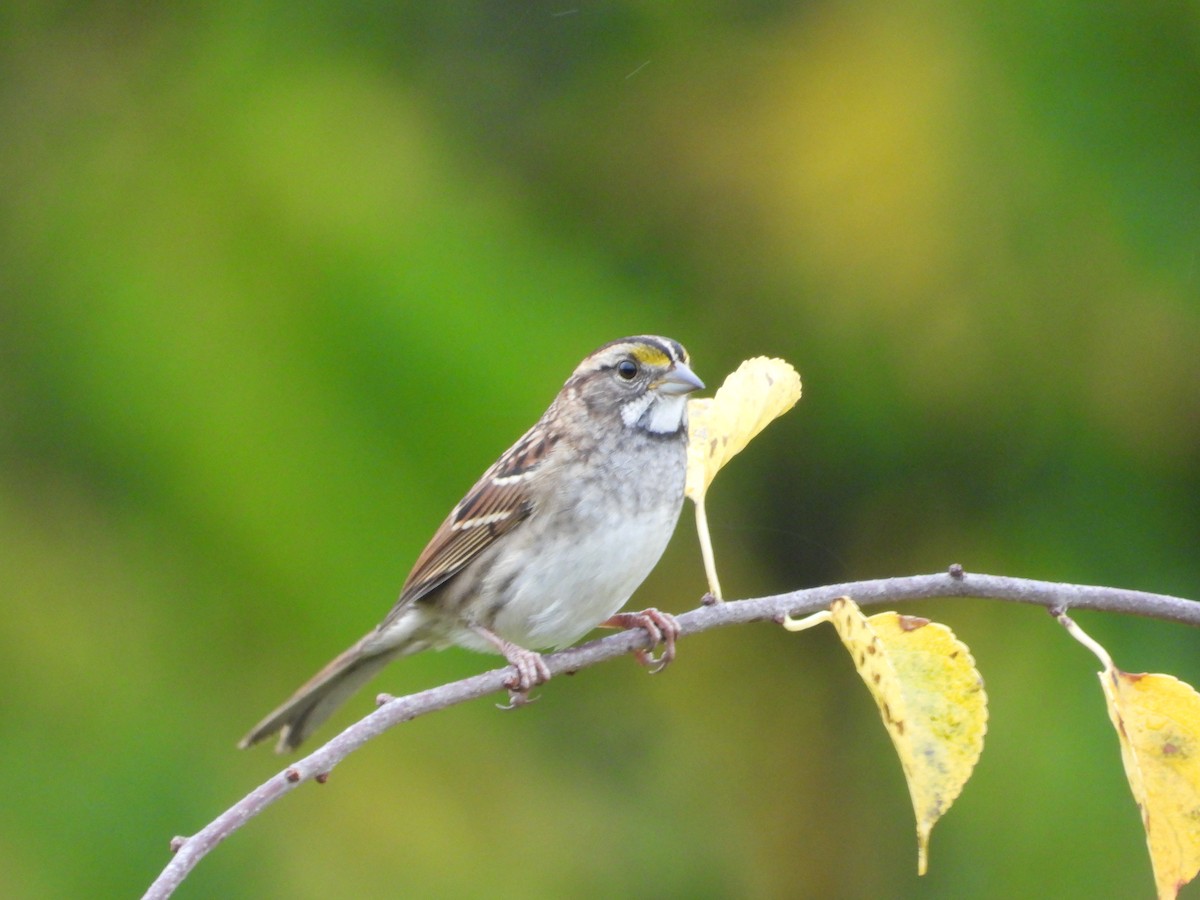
(277, 281)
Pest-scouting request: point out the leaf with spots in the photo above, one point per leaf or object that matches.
(929, 695)
(720, 427)
(1157, 720)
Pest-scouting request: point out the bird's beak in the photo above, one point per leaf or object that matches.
(680, 380)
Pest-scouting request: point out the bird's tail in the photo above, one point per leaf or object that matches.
(317, 699)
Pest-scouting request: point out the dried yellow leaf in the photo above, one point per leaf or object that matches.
(929, 695)
(720, 427)
(1157, 719)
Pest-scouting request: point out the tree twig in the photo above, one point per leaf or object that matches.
(394, 710)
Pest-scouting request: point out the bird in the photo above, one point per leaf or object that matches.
(549, 543)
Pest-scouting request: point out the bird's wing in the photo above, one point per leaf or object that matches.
(499, 502)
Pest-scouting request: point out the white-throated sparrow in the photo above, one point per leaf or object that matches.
(550, 542)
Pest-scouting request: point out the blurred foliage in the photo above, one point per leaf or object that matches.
(278, 280)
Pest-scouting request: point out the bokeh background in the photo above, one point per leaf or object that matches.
(278, 280)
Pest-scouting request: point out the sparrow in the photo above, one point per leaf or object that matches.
(548, 544)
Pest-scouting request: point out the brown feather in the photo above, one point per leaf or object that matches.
(488, 512)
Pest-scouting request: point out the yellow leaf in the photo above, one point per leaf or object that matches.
(929, 695)
(1157, 719)
(721, 426)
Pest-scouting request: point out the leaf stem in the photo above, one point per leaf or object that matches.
(706, 551)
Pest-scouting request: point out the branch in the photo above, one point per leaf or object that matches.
(394, 710)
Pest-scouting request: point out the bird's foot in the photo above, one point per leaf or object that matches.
(660, 626)
(531, 668)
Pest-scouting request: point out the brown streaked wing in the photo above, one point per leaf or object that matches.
(488, 511)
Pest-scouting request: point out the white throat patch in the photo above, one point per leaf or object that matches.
(660, 413)
(633, 411)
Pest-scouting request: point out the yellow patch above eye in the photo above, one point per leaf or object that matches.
(650, 355)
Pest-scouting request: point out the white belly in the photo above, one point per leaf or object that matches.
(553, 603)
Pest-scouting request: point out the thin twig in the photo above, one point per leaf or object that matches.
(317, 765)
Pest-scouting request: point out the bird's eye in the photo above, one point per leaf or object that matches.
(627, 369)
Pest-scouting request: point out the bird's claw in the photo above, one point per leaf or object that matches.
(531, 670)
(661, 627)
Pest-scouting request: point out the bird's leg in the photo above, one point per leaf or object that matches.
(662, 628)
(531, 668)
